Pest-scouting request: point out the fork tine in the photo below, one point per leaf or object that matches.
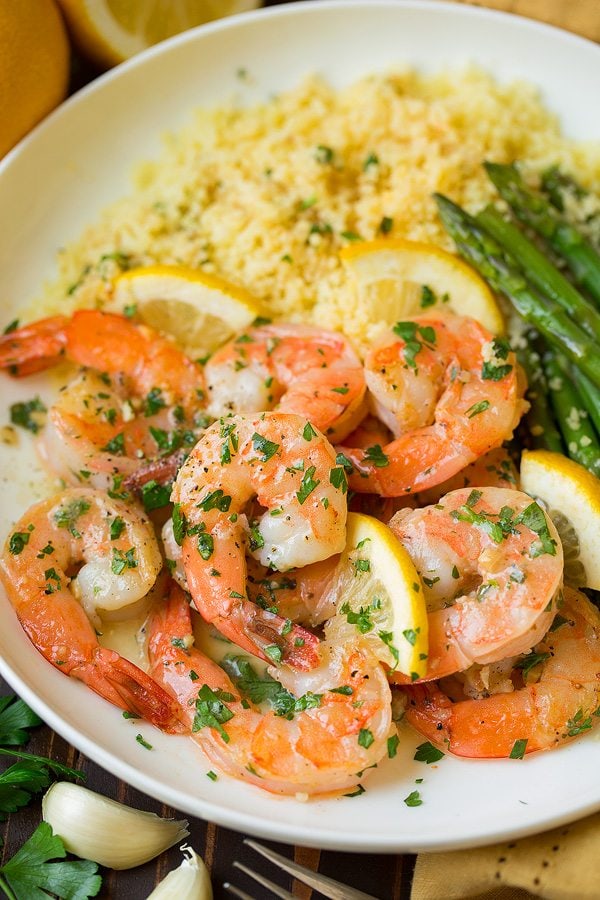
(274, 888)
(326, 886)
(237, 892)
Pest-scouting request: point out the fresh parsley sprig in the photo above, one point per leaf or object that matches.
(31, 875)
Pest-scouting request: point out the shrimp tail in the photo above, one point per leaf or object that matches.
(277, 640)
(163, 470)
(269, 636)
(34, 347)
(128, 687)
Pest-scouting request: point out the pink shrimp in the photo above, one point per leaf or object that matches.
(448, 390)
(291, 368)
(290, 468)
(140, 397)
(120, 562)
(555, 695)
(491, 563)
(315, 749)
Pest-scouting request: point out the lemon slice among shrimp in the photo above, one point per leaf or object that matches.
(381, 597)
(201, 311)
(571, 495)
(398, 278)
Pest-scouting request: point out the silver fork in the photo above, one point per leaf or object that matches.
(327, 887)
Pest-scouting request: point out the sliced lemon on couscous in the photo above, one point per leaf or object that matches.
(380, 597)
(109, 31)
(199, 310)
(398, 278)
(571, 495)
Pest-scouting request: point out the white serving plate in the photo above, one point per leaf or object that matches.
(60, 177)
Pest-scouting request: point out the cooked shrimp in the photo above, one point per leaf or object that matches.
(289, 467)
(491, 564)
(142, 397)
(291, 368)
(448, 390)
(555, 696)
(325, 746)
(117, 551)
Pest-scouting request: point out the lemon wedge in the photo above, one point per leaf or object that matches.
(380, 597)
(571, 495)
(110, 31)
(394, 279)
(200, 311)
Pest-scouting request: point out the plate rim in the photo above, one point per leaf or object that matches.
(299, 834)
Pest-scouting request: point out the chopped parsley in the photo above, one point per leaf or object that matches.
(307, 485)
(365, 738)
(154, 402)
(337, 478)
(308, 432)
(324, 154)
(530, 661)
(67, 516)
(477, 408)
(493, 369)
(28, 414)
(140, 739)
(392, 746)
(122, 561)
(428, 297)
(518, 749)
(215, 500)
(155, 495)
(427, 753)
(212, 711)
(267, 448)
(415, 337)
(376, 456)
(117, 526)
(413, 799)
(116, 445)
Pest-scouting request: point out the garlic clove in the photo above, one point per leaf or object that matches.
(190, 881)
(114, 835)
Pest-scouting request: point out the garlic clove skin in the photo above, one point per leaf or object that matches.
(114, 835)
(190, 881)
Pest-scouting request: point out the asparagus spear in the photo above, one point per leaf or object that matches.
(578, 432)
(555, 183)
(590, 395)
(534, 210)
(540, 270)
(544, 434)
(548, 317)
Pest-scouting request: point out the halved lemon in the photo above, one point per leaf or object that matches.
(571, 495)
(398, 278)
(201, 311)
(109, 31)
(380, 597)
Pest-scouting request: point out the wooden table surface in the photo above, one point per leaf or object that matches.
(388, 877)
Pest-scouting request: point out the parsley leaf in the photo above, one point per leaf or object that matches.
(28, 414)
(66, 516)
(15, 718)
(492, 369)
(29, 874)
(267, 448)
(533, 518)
(427, 753)
(307, 485)
(376, 456)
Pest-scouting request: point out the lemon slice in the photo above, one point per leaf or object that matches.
(396, 278)
(201, 311)
(109, 31)
(380, 597)
(571, 495)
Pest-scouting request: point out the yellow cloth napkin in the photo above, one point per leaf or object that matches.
(563, 864)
